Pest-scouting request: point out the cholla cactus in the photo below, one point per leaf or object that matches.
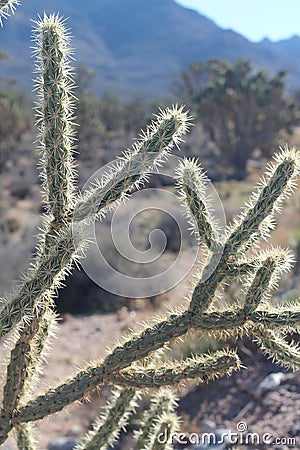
(134, 364)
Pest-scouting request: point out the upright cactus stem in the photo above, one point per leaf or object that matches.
(136, 363)
(163, 403)
(24, 438)
(164, 430)
(256, 220)
(55, 117)
(276, 262)
(107, 427)
(192, 188)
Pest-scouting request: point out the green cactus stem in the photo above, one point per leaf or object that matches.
(165, 429)
(163, 402)
(192, 188)
(130, 171)
(107, 427)
(25, 440)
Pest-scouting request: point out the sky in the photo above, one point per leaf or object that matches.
(254, 19)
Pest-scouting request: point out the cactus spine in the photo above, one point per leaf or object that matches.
(30, 311)
(162, 406)
(6, 8)
(107, 427)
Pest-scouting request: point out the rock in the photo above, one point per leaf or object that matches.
(270, 383)
(63, 444)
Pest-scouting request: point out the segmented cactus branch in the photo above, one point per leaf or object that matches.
(252, 223)
(280, 181)
(203, 368)
(274, 344)
(274, 262)
(50, 271)
(192, 188)
(168, 425)
(164, 402)
(107, 427)
(25, 440)
(55, 116)
(130, 170)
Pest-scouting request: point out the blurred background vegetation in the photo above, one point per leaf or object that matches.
(241, 114)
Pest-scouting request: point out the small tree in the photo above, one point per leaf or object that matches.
(241, 109)
(104, 118)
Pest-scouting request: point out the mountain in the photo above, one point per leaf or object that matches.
(138, 45)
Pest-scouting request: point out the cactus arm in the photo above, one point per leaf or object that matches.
(17, 371)
(224, 320)
(192, 189)
(259, 286)
(21, 371)
(273, 263)
(57, 398)
(54, 116)
(50, 271)
(164, 402)
(276, 347)
(203, 368)
(155, 143)
(107, 427)
(286, 318)
(24, 438)
(163, 431)
(208, 367)
(47, 325)
(55, 128)
(26, 358)
(231, 322)
(280, 182)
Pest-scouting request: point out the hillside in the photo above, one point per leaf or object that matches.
(137, 46)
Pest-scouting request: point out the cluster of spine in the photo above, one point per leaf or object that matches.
(159, 419)
(135, 364)
(7, 7)
(107, 426)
